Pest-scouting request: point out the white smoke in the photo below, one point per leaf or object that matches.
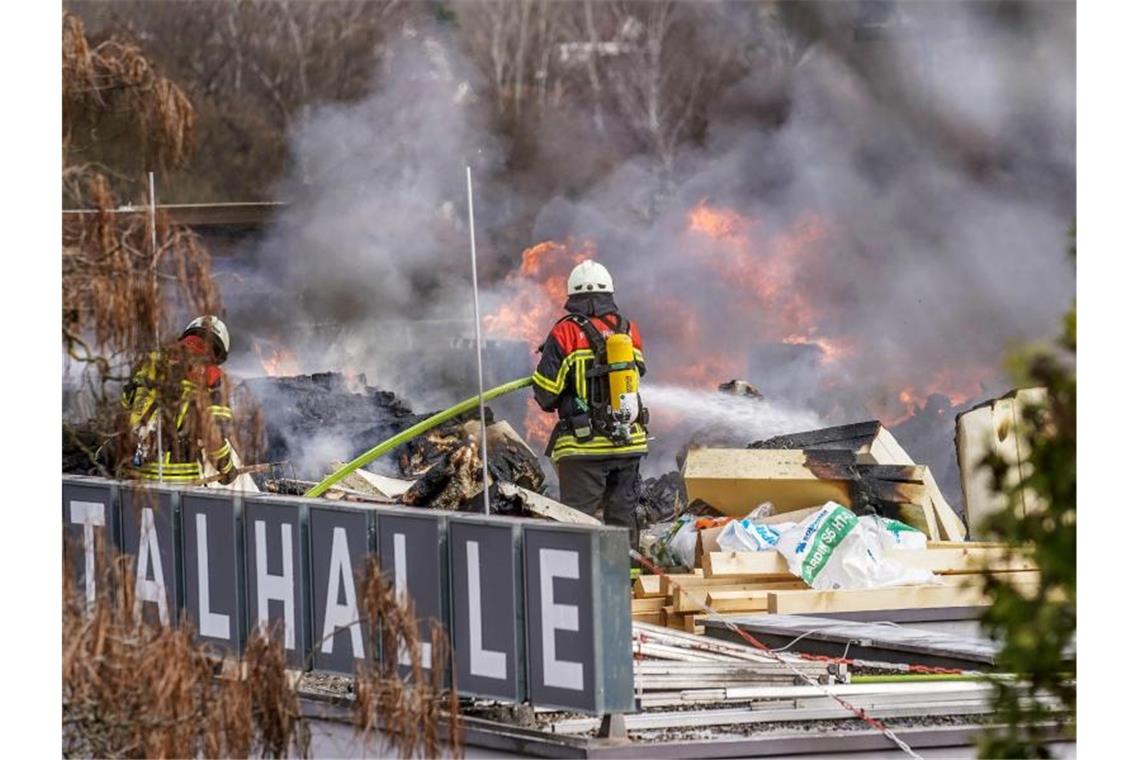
(946, 180)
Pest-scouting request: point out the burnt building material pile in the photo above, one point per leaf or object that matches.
(316, 421)
(449, 470)
(301, 412)
(661, 498)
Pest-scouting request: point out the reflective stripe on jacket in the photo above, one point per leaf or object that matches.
(182, 454)
(560, 378)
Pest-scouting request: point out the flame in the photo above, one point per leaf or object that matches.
(765, 271)
(958, 385)
(536, 290)
(772, 279)
(537, 425)
(719, 224)
(277, 361)
(833, 349)
(532, 298)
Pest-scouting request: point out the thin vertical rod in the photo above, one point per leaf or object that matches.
(157, 343)
(478, 344)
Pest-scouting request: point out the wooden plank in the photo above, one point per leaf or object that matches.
(894, 491)
(949, 524)
(768, 565)
(739, 601)
(807, 602)
(393, 488)
(855, 436)
(647, 586)
(965, 544)
(796, 516)
(692, 598)
(673, 581)
(885, 449)
(646, 617)
(545, 506)
(647, 605)
(930, 517)
(736, 480)
(966, 592)
(693, 624)
(964, 560)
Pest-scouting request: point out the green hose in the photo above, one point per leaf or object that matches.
(418, 429)
(918, 677)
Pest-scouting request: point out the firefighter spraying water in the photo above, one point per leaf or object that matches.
(588, 374)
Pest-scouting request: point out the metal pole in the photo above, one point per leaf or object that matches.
(157, 339)
(478, 344)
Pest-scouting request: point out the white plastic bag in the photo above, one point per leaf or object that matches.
(748, 536)
(832, 549)
(683, 543)
(893, 534)
(764, 510)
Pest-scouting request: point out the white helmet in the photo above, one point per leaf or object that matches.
(212, 329)
(589, 277)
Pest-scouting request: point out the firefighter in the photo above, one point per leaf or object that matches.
(588, 373)
(195, 420)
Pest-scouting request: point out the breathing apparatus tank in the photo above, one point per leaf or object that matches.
(623, 376)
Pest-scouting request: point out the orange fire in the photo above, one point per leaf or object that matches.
(834, 349)
(537, 425)
(536, 290)
(958, 385)
(765, 271)
(772, 279)
(277, 361)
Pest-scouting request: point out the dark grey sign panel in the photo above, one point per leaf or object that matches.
(211, 569)
(89, 522)
(274, 574)
(338, 550)
(412, 556)
(613, 620)
(486, 608)
(578, 641)
(148, 536)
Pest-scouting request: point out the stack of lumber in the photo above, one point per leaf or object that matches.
(732, 582)
(859, 465)
(735, 481)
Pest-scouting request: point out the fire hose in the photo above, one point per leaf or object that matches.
(418, 429)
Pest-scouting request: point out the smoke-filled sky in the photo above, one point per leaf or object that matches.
(894, 236)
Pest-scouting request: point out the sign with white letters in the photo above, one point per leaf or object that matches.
(274, 593)
(533, 610)
(88, 524)
(339, 547)
(412, 555)
(211, 569)
(148, 536)
(578, 617)
(486, 607)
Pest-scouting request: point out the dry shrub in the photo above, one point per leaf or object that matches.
(122, 288)
(111, 90)
(407, 702)
(136, 689)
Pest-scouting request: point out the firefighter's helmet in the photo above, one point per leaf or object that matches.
(589, 277)
(212, 329)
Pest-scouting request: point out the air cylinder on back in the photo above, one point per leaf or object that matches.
(623, 381)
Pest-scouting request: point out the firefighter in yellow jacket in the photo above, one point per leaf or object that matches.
(589, 373)
(184, 387)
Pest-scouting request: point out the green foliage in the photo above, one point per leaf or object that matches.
(1038, 629)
